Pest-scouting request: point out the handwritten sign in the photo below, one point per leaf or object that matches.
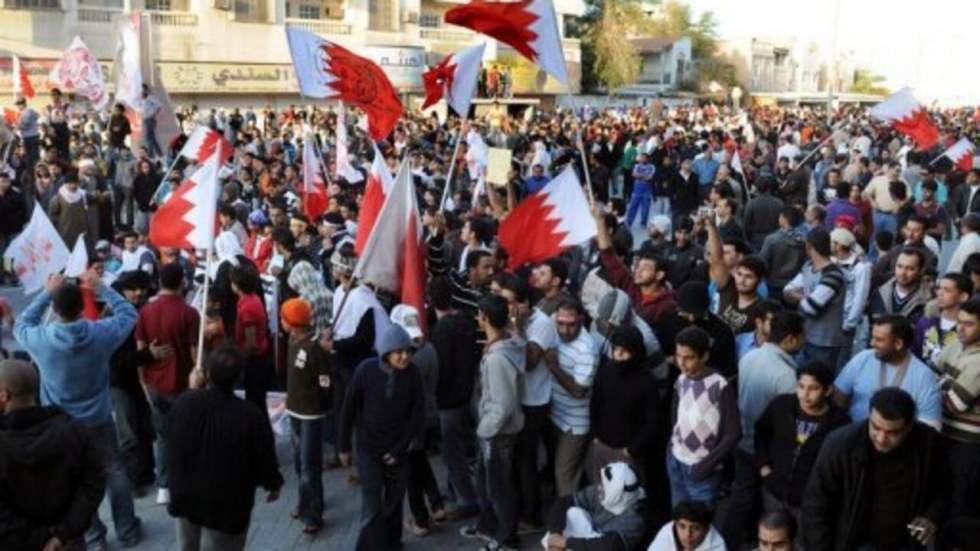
(498, 166)
(37, 252)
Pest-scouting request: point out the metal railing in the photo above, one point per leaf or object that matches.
(319, 26)
(90, 14)
(173, 18)
(445, 35)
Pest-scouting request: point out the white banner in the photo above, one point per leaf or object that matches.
(37, 252)
(79, 71)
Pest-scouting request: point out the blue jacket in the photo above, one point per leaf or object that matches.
(73, 358)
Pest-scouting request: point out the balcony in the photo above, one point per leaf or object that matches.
(320, 26)
(445, 35)
(96, 15)
(173, 18)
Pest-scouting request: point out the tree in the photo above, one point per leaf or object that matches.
(616, 61)
(865, 82)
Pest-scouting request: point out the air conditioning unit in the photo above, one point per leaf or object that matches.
(410, 17)
(221, 5)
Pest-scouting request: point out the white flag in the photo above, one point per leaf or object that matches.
(78, 261)
(37, 252)
(129, 76)
(344, 168)
(79, 71)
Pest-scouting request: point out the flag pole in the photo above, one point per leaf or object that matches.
(452, 168)
(204, 306)
(580, 145)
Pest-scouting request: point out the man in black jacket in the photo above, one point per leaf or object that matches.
(761, 215)
(13, 215)
(385, 405)
(790, 433)
(220, 450)
(876, 482)
(51, 478)
(454, 338)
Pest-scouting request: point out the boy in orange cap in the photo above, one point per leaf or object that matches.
(307, 387)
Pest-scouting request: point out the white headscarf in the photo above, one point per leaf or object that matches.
(620, 488)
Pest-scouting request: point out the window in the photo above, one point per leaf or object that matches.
(159, 5)
(430, 20)
(36, 4)
(381, 15)
(307, 11)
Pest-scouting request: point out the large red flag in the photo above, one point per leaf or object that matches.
(547, 222)
(327, 70)
(908, 116)
(375, 192)
(393, 258)
(528, 26)
(187, 219)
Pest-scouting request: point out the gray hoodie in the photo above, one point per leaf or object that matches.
(501, 378)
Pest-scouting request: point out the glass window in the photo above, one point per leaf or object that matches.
(430, 20)
(381, 15)
(159, 5)
(37, 4)
(307, 11)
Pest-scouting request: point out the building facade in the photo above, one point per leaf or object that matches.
(234, 52)
(665, 64)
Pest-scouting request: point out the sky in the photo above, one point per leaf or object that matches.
(929, 46)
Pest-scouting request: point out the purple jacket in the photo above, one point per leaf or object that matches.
(840, 207)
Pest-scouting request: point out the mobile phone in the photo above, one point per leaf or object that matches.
(915, 529)
(704, 212)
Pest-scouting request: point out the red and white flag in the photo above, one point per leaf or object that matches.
(204, 142)
(343, 166)
(547, 222)
(961, 153)
(376, 190)
(37, 251)
(22, 81)
(327, 70)
(908, 116)
(315, 199)
(78, 71)
(454, 78)
(187, 219)
(393, 258)
(528, 26)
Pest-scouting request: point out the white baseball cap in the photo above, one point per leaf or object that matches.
(408, 318)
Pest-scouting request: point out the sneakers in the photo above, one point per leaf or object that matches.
(494, 545)
(163, 496)
(417, 530)
(473, 533)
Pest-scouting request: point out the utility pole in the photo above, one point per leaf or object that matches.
(832, 65)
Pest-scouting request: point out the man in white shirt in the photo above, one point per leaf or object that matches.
(969, 242)
(150, 109)
(570, 393)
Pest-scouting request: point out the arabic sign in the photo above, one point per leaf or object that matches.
(227, 77)
(404, 66)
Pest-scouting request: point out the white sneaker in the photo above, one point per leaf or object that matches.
(163, 496)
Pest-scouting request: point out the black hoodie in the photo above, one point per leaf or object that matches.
(623, 408)
(51, 479)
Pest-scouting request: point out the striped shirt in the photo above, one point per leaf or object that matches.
(960, 383)
(578, 359)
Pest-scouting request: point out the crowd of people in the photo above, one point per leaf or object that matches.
(772, 342)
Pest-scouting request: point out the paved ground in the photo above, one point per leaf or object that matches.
(272, 528)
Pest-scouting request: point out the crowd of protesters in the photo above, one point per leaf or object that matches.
(773, 341)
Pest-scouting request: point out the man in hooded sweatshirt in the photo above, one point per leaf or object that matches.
(500, 421)
(385, 405)
(51, 478)
(72, 355)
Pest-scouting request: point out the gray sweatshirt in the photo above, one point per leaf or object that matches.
(501, 379)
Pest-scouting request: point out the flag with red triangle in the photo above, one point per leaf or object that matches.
(961, 153)
(187, 219)
(455, 79)
(528, 26)
(547, 222)
(375, 192)
(22, 81)
(393, 258)
(315, 199)
(907, 115)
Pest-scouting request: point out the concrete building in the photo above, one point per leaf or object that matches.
(665, 63)
(234, 52)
